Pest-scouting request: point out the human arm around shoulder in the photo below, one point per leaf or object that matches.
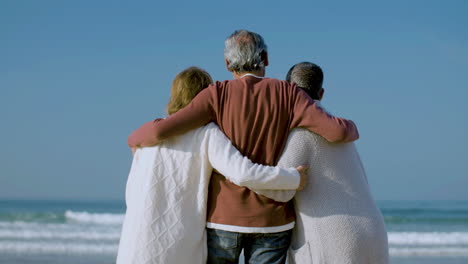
(308, 114)
(198, 113)
(240, 170)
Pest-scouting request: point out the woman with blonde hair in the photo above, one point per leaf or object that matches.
(166, 191)
(186, 85)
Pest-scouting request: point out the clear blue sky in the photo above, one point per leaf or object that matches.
(76, 77)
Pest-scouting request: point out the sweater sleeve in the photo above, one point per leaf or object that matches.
(309, 115)
(198, 113)
(240, 170)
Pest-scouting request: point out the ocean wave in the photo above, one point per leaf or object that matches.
(55, 227)
(413, 219)
(434, 211)
(430, 251)
(96, 218)
(62, 217)
(57, 248)
(428, 238)
(23, 224)
(44, 217)
(59, 234)
(71, 230)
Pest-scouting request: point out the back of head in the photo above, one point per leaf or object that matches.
(307, 76)
(185, 86)
(245, 51)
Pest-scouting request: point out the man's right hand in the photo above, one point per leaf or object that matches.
(303, 172)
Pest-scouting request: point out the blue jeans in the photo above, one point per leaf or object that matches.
(225, 247)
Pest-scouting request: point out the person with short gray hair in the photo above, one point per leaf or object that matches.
(309, 77)
(255, 113)
(245, 52)
(337, 220)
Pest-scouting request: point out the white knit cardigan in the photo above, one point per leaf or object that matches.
(337, 220)
(166, 195)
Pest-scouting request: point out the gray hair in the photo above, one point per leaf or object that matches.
(245, 51)
(308, 76)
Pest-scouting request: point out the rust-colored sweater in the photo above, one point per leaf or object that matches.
(257, 115)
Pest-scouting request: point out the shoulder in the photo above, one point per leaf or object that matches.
(218, 88)
(302, 136)
(288, 90)
(223, 84)
(210, 131)
(310, 138)
(189, 141)
(278, 82)
(299, 148)
(211, 128)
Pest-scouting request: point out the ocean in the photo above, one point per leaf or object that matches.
(87, 232)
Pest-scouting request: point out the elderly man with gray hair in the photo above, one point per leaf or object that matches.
(337, 220)
(256, 114)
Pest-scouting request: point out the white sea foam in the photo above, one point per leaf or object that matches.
(428, 238)
(57, 248)
(430, 251)
(64, 227)
(96, 218)
(72, 230)
(60, 234)
(22, 224)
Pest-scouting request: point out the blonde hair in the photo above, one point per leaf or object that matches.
(185, 86)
